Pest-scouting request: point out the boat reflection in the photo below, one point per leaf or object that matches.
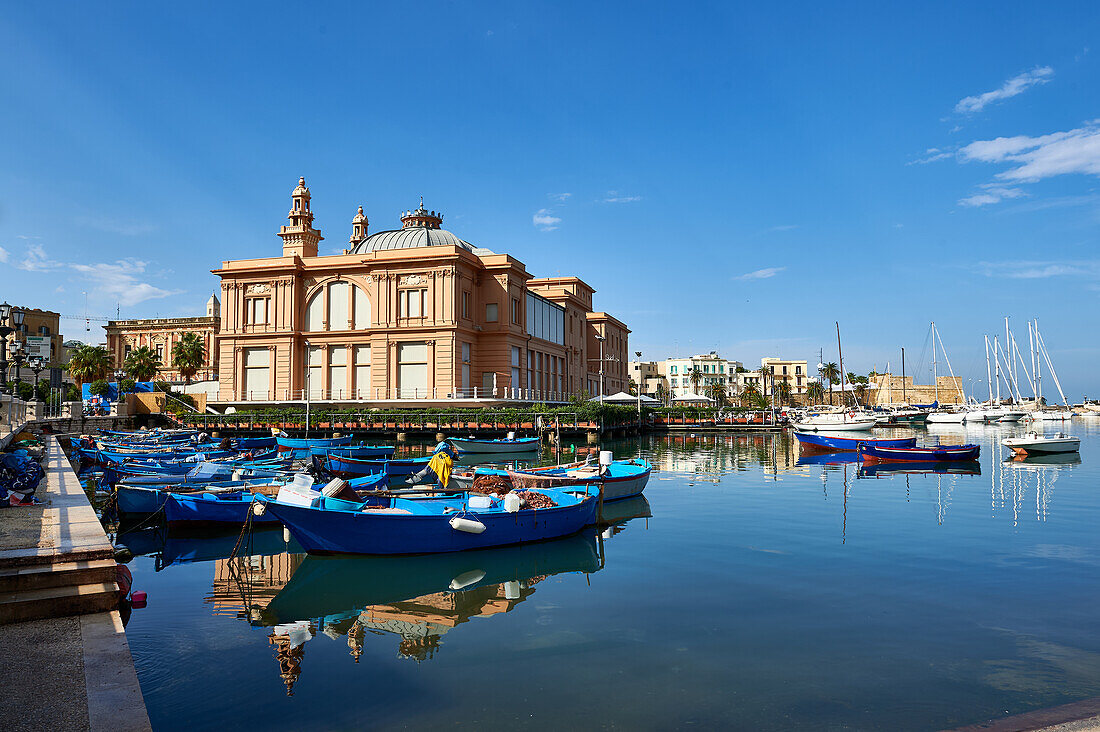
(168, 547)
(1015, 479)
(417, 598)
(883, 470)
(514, 460)
(1064, 458)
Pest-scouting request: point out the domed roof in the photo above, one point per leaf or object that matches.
(419, 228)
(409, 238)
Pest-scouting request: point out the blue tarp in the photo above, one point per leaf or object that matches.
(933, 405)
(112, 390)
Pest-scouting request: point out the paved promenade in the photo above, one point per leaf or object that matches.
(65, 658)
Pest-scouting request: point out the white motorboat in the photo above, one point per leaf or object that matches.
(946, 417)
(1051, 415)
(977, 415)
(838, 421)
(1012, 415)
(1032, 443)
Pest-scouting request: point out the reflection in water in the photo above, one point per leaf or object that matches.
(1015, 478)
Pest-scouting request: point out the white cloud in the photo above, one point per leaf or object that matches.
(544, 220)
(614, 197)
(784, 227)
(1012, 87)
(1031, 270)
(990, 194)
(3, 255)
(119, 281)
(559, 197)
(1036, 158)
(931, 155)
(37, 260)
(761, 274)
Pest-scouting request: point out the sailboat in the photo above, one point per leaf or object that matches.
(846, 420)
(1040, 356)
(942, 416)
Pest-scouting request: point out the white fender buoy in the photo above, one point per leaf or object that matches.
(470, 526)
(467, 578)
(258, 508)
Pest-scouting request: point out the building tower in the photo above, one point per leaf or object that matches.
(421, 218)
(358, 228)
(213, 307)
(299, 237)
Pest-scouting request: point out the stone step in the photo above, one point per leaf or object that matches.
(56, 602)
(56, 574)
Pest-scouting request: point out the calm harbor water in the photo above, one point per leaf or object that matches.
(752, 589)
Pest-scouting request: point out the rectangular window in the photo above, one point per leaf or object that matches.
(515, 311)
(490, 312)
(362, 371)
(315, 380)
(466, 305)
(466, 385)
(338, 372)
(338, 302)
(673, 370)
(798, 369)
(516, 383)
(256, 373)
(256, 310)
(411, 303)
(412, 370)
(784, 370)
(160, 351)
(488, 382)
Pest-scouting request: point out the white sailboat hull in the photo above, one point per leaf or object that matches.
(946, 417)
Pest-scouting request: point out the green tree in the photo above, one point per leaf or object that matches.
(189, 355)
(662, 393)
(815, 392)
(783, 391)
(717, 392)
(750, 395)
(831, 373)
(89, 363)
(632, 388)
(142, 364)
(695, 378)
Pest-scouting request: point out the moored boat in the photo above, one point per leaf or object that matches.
(620, 479)
(301, 447)
(505, 445)
(431, 524)
(1032, 443)
(934, 454)
(844, 443)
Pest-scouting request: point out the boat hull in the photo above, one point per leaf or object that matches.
(206, 509)
(838, 443)
(322, 531)
(860, 425)
(522, 444)
(943, 454)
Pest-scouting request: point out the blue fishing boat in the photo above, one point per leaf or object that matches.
(846, 443)
(620, 479)
(363, 452)
(347, 467)
(430, 525)
(219, 506)
(506, 445)
(142, 500)
(254, 443)
(936, 454)
(301, 447)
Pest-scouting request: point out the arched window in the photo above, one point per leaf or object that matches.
(344, 299)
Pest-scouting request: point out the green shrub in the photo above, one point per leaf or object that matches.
(100, 388)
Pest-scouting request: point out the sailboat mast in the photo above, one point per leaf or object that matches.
(989, 374)
(997, 367)
(903, 397)
(840, 353)
(1036, 363)
(935, 374)
(1008, 345)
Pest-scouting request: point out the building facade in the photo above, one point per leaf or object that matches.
(792, 372)
(162, 334)
(407, 314)
(39, 334)
(712, 368)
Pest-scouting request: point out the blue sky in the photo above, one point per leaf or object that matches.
(733, 177)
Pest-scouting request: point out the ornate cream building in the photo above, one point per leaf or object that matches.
(161, 334)
(414, 313)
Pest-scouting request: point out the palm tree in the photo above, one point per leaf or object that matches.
(815, 392)
(717, 392)
(750, 394)
(662, 393)
(831, 373)
(142, 364)
(189, 355)
(89, 363)
(695, 377)
(632, 388)
(783, 391)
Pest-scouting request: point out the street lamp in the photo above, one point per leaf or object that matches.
(601, 339)
(821, 380)
(37, 365)
(641, 380)
(18, 357)
(5, 331)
